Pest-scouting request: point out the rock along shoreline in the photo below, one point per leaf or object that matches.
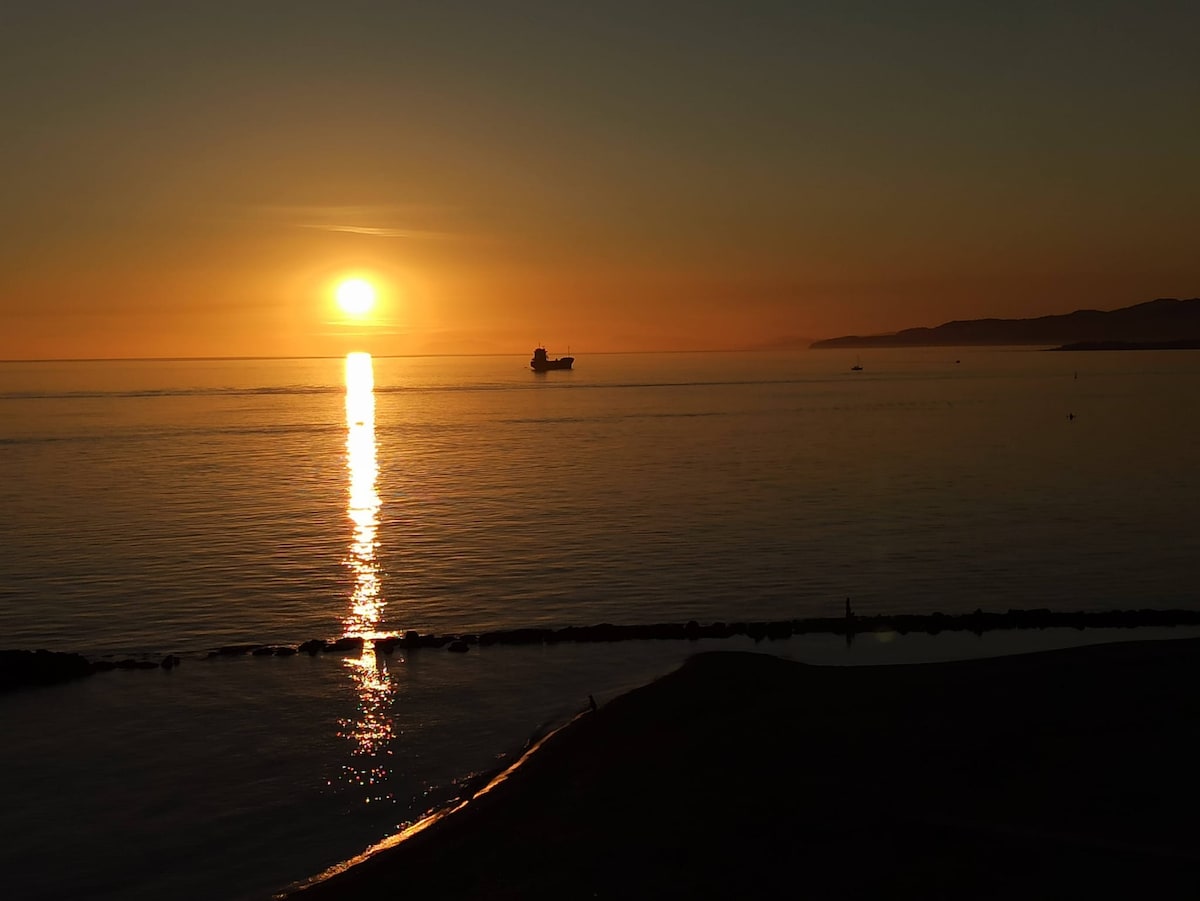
(25, 668)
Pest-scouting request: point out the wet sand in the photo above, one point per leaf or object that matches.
(1052, 775)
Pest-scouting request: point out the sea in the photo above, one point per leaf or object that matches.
(175, 507)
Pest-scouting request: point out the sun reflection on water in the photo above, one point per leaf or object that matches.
(372, 730)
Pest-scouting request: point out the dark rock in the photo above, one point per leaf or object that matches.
(312, 646)
(666, 631)
(130, 663)
(776, 631)
(386, 645)
(517, 636)
(24, 668)
(458, 646)
(235, 650)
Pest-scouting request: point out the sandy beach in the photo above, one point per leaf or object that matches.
(1059, 774)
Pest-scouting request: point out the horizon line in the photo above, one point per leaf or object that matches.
(203, 359)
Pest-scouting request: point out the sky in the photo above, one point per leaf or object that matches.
(195, 178)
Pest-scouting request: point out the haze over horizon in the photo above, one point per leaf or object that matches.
(195, 179)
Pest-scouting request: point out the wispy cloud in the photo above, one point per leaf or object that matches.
(408, 221)
(379, 231)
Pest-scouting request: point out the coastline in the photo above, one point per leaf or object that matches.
(1051, 773)
(21, 667)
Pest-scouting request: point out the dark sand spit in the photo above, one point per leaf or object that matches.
(1064, 774)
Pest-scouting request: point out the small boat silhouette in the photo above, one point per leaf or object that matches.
(542, 363)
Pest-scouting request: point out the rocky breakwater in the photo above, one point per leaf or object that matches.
(850, 624)
(349, 644)
(22, 669)
(25, 668)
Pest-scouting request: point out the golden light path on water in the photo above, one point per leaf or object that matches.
(373, 729)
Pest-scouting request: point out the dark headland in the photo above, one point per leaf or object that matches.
(1064, 774)
(1166, 319)
(1184, 344)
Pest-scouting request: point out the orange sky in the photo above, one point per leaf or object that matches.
(192, 179)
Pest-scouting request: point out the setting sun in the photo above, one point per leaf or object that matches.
(355, 297)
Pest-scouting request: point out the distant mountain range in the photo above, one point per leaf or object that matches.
(1165, 319)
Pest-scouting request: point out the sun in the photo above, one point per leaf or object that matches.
(355, 297)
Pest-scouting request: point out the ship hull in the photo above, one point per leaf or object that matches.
(547, 365)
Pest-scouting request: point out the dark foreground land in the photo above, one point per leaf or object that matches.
(1067, 774)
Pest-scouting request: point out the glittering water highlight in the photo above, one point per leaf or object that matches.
(373, 729)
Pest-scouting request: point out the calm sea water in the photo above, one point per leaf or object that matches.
(173, 507)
